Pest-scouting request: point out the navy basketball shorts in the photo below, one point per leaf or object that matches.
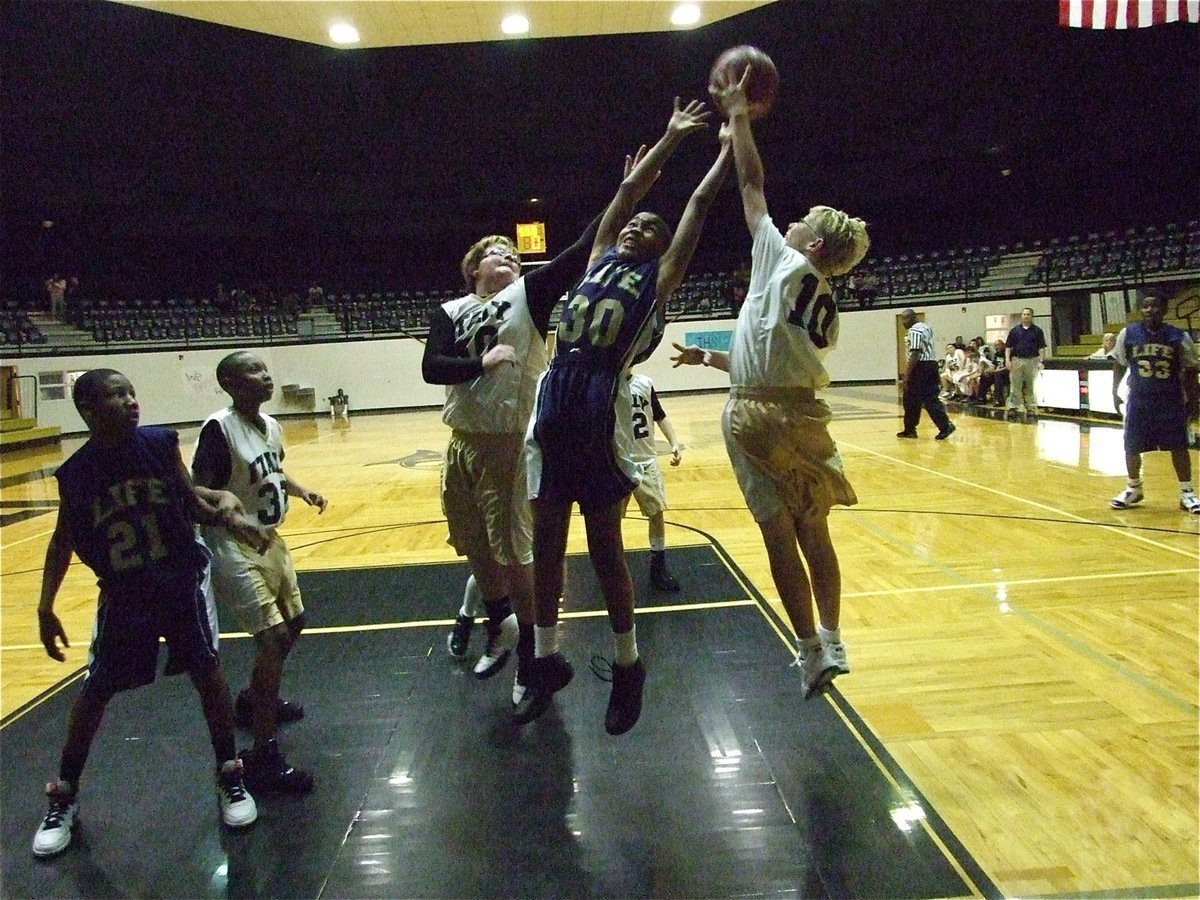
(574, 434)
(1155, 425)
(124, 650)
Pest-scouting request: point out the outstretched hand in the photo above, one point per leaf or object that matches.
(730, 98)
(685, 120)
(631, 162)
(687, 356)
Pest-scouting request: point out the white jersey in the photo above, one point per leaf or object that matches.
(499, 401)
(789, 321)
(640, 390)
(256, 467)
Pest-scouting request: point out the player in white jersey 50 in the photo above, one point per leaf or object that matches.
(776, 430)
(240, 449)
(488, 348)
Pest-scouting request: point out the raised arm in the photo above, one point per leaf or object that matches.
(731, 99)
(634, 186)
(675, 261)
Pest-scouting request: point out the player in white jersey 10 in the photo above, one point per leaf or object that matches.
(776, 430)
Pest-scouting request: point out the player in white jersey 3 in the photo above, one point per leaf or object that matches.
(240, 449)
(776, 430)
(650, 492)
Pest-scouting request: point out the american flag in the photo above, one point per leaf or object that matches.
(1125, 13)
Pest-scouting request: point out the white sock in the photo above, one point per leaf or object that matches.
(829, 636)
(809, 643)
(658, 545)
(627, 652)
(1185, 487)
(472, 604)
(545, 641)
(1135, 482)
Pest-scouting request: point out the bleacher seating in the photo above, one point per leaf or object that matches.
(1093, 260)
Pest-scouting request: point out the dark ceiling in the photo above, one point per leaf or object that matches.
(171, 154)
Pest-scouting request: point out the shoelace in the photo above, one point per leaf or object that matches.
(234, 790)
(601, 667)
(58, 812)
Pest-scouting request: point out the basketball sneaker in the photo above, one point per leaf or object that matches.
(54, 834)
(625, 699)
(661, 578)
(817, 669)
(238, 808)
(265, 769)
(837, 652)
(1131, 496)
(547, 676)
(1189, 502)
(502, 640)
(460, 637)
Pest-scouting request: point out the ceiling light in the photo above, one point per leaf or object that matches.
(515, 24)
(343, 33)
(685, 14)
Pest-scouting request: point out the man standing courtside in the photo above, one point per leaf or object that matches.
(1025, 351)
(921, 380)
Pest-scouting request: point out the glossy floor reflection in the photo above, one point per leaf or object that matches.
(730, 785)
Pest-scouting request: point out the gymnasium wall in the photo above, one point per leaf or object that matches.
(177, 387)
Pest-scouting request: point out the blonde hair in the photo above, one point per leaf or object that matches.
(846, 240)
(471, 261)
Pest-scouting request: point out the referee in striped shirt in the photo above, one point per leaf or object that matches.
(921, 380)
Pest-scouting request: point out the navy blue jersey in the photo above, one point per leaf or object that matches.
(609, 319)
(126, 510)
(1156, 361)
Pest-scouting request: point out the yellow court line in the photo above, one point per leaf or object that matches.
(442, 623)
(1042, 506)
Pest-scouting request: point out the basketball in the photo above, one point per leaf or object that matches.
(764, 78)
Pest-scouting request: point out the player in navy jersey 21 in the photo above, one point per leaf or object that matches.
(578, 444)
(126, 507)
(1161, 361)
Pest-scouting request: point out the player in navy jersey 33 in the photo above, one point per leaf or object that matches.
(578, 444)
(776, 429)
(1161, 361)
(126, 507)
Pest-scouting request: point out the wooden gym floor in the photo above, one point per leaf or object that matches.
(1021, 719)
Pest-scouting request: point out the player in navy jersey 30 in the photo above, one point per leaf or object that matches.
(578, 445)
(126, 507)
(776, 430)
(1161, 361)
(240, 449)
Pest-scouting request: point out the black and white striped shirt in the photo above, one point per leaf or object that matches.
(920, 338)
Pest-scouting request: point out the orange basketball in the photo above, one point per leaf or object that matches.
(764, 78)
